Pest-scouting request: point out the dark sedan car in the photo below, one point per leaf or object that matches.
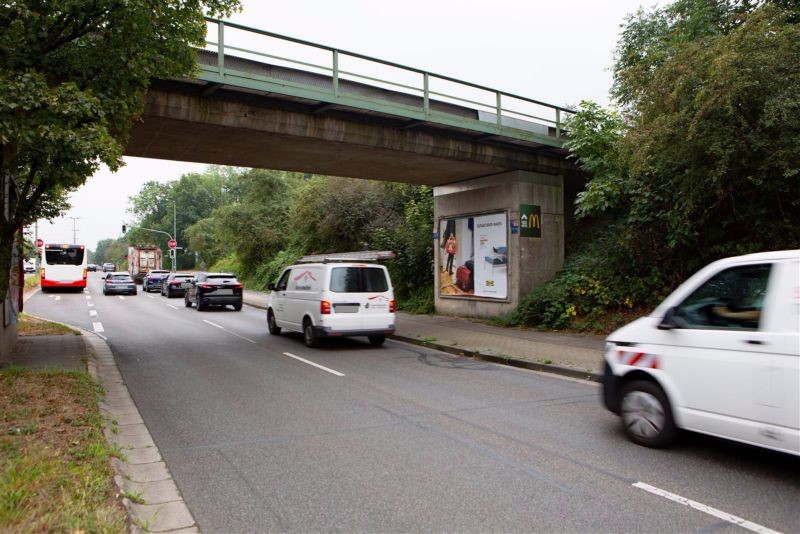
(154, 279)
(119, 282)
(175, 285)
(214, 289)
(91, 267)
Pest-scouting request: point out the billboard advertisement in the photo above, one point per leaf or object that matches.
(473, 256)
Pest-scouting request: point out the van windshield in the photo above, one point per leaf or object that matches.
(358, 280)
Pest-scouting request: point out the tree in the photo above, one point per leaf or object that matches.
(73, 76)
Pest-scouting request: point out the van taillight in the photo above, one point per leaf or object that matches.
(324, 307)
(392, 306)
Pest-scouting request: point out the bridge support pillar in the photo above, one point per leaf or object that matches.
(507, 238)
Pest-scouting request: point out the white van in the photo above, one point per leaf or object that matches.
(333, 297)
(720, 355)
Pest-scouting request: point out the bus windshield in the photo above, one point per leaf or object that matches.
(59, 255)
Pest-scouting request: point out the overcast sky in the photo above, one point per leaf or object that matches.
(555, 51)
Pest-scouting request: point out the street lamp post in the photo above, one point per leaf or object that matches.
(74, 230)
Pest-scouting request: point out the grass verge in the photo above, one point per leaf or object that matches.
(55, 474)
(28, 325)
(31, 282)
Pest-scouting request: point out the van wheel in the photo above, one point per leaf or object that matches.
(376, 341)
(646, 414)
(273, 327)
(309, 335)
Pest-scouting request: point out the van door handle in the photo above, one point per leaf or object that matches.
(754, 342)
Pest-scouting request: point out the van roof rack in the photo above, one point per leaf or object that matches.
(343, 257)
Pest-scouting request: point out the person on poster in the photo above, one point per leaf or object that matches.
(450, 248)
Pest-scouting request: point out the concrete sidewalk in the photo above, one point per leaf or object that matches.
(575, 355)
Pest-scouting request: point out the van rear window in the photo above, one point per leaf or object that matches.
(358, 280)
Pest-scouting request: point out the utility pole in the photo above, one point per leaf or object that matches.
(74, 230)
(175, 233)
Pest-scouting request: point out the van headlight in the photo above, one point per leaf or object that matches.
(609, 347)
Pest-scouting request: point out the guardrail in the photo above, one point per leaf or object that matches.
(414, 94)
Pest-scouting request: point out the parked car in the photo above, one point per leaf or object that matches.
(214, 289)
(175, 284)
(154, 279)
(119, 282)
(333, 299)
(92, 267)
(720, 355)
(108, 267)
(28, 267)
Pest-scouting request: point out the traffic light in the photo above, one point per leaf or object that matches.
(123, 228)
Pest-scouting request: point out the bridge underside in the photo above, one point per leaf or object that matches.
(205, 123)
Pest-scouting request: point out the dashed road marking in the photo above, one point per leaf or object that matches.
(58, 297)
(719, 514)
(222, 328)
(120, 297)
(173, 307)
(298, 358)
(88, 297)
(150, 296)
(90, 304)
(92, 313)
(98, 327)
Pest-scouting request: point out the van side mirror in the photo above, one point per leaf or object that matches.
(271, 286)
(672, 320)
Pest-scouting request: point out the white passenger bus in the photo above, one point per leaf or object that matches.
(63, 265)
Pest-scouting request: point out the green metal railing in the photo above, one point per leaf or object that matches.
(540, 122)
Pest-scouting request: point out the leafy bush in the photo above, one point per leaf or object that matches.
(419, 301)
(228, 264)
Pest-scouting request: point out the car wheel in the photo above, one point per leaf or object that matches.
(186, 302)
(168, 294)
(309, 335)
(273, 327)
(200, 306)
(376, 341)
(237, 307)
(134, 292)
(646, 414)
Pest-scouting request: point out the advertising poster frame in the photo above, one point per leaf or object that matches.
(474, 264)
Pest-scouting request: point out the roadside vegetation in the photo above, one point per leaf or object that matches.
(255, 222)
(27, 325)
(55, 473)
(31, 282)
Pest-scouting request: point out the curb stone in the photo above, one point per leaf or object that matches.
(502, 360)
(143, 472)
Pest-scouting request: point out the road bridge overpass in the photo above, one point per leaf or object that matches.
(484, 151)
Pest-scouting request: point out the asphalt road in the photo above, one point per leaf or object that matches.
(401, 438)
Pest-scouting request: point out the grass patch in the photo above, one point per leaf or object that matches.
(31, 282)
(54, 460)
(33, 326)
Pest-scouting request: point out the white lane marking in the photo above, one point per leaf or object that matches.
(88, 297)
(51, 296)
(719, 514)
(102, 336)
(221, 328)
(58, 297)
(92, 313)
(120, 297)
(90, 304)
(150, 296)
(241, 337)
(331, 371)
(173, 307)
(98, 327)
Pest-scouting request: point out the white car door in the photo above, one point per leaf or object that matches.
(279, 299)
(732, 376)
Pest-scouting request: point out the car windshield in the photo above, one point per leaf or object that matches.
(358, 280)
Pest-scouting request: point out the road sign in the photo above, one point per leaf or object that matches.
(39, 242)
(172, 243)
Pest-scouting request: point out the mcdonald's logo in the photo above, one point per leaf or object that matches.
(530, 220)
